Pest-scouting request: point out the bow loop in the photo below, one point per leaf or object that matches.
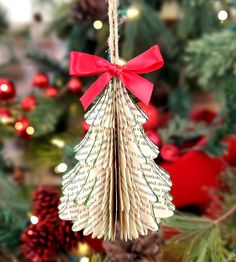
(82, 64)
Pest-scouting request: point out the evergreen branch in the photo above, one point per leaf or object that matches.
(11, 229)
(192, 25)
(46, 118)
(14, 207)
(225, 215)
(151, 26)
(211, 72)
(46, 63)
(200, 239)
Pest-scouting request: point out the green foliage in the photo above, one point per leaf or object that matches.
(179, 102)
(228, 125)
(212, 59)
(43, 153)
(143, 31)
(46, 63)
(192, 25)
(217, 72)
(14, 206)
(199, 239)
(11, 229)
(48, 113)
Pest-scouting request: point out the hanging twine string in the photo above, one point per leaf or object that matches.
(114, 35)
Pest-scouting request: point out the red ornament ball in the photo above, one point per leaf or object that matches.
(153, 116)
(22, 127)
(154, 137)
(5, 113)
(29, 103)
(75, 85)
(170, 152)
(40, 80)
(85, 126)
(7, 90)
(51, 91)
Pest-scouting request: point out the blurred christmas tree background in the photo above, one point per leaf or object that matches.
(192, 118)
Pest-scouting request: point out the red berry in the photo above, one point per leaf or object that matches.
(23, 129)
(85, 126)
(51, 91)
(153, 116)
(154, 137)
(40, 80)
(170, 152)
(75, 85)
(28, 103)
(7, 90)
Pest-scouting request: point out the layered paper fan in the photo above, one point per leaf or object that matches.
(116, 181)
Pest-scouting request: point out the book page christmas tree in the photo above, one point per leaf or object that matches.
(116, 182)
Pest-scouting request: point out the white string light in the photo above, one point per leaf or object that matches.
(4, 87)
(34, 220)
(132, 12)
(98, 24)
(84, 259)
(223, 15)
(58, 142)
(30, 130)
(61, 168)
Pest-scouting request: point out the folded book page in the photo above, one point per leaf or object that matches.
(116, 181)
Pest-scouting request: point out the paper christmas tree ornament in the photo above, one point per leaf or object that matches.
(116, 181)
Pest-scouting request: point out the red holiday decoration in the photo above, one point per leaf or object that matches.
(51, 91)
(230, 153)
(45, 202)
(154, 137)
(164, 119)
(5, 113)
(85, 126)
(75, 85)
(95, 244)
(152, 114)
(39, 242)
(170, 152)
(66, 237)
(29, 103)
(40, 80)
(192, 175)
(22, 127)
(7, 90)
(205, 115)
(82, 64)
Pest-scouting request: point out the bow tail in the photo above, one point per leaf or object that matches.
(137, 85)
(95, 89)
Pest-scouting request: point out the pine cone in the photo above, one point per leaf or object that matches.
(39, 242)
(87, 11)
(67, 239)
(143, 249)
(45, 203)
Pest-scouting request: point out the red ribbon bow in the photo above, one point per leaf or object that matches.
(82, 64)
